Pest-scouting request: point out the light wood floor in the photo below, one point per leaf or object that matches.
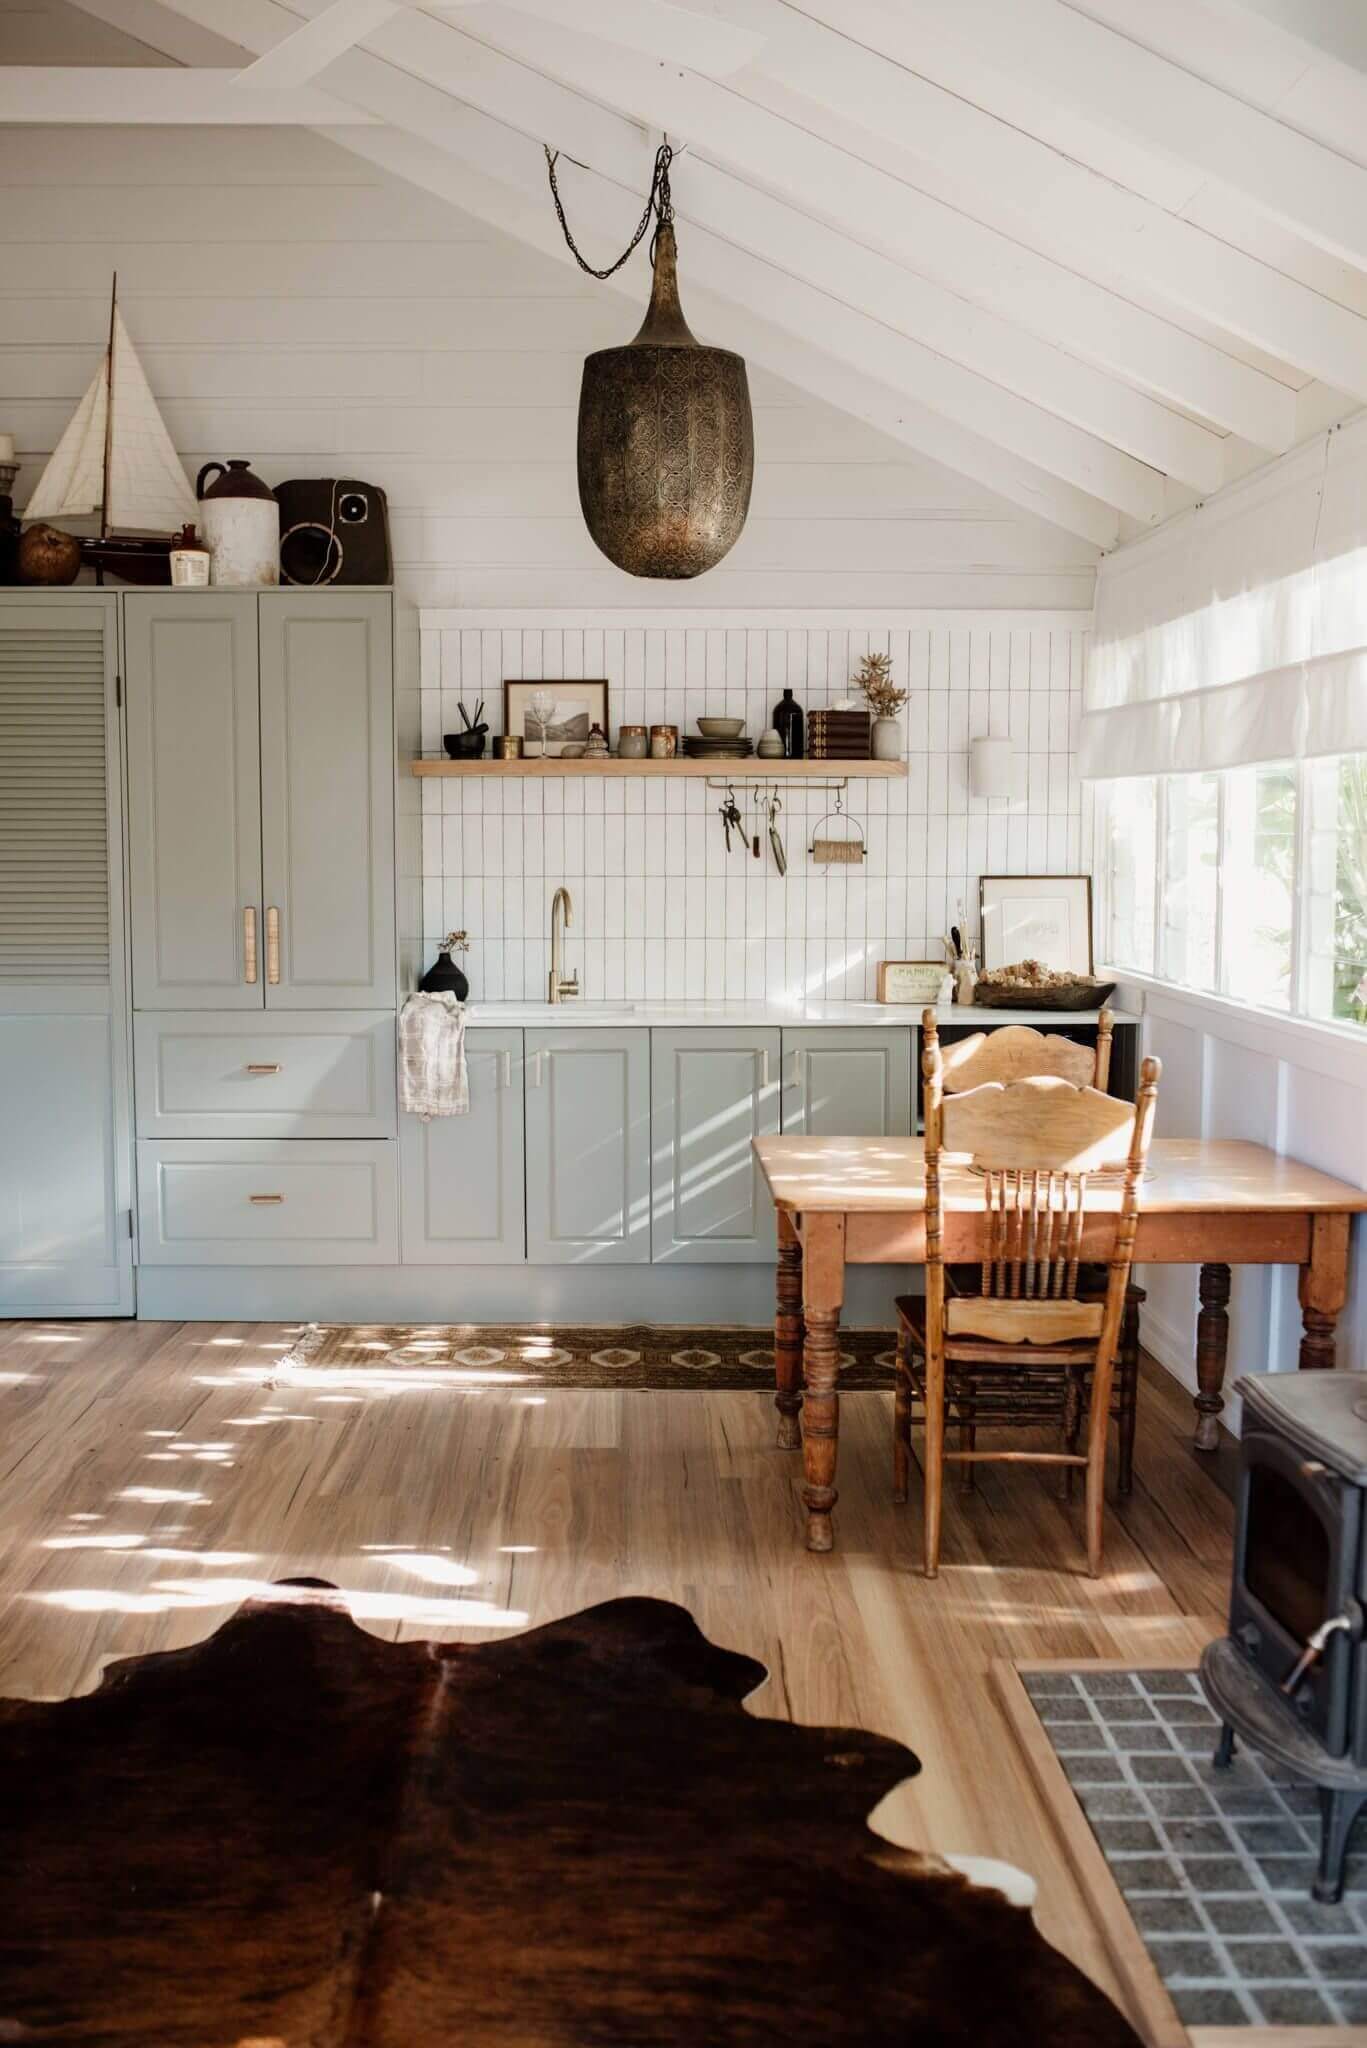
(149, 1480)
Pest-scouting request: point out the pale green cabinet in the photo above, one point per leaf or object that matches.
(461, 1181)
(261, 799)
(713, 1091)
(327, 799)
(194, 786)
(588, 1147)
(65, 1182)
(847, 1084)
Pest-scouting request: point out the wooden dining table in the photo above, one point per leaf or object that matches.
(1212, 1203)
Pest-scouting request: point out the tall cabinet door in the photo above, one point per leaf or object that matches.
(461, 1177)
(588, 1147)
(327, 799)
(194, 810)
(847, 1084)
(713, 1091)
(65, 1184)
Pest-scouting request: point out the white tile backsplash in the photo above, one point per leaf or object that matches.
(661, 908)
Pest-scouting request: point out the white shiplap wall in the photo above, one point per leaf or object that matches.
(298, 307)
(662, 909)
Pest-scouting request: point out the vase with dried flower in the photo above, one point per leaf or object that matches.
(873, 678)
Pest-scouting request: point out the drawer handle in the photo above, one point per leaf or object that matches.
(264, 1067)
(272, 944)
(263, 1201)
(249, 943)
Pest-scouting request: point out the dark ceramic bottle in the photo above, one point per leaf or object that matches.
(787, 723)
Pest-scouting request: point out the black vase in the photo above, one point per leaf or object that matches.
(787, 723)
(444, 978)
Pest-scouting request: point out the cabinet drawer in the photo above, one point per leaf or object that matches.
(328, 1075)
(267, 1202)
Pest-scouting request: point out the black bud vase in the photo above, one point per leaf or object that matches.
(787, 723)
(444, 978)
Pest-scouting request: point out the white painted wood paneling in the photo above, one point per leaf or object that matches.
(299, 308)
(1229, 1072)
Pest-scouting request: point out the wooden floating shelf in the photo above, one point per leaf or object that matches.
(751, 769)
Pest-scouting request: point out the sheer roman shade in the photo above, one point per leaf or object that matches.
(1238, 632)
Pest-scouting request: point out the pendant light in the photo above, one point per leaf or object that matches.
(666, 439)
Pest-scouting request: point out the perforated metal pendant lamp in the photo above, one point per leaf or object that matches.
(666, 441)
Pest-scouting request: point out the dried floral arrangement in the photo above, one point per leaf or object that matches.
(873, 678)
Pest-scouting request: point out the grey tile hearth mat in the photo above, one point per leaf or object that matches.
(1215, 1865)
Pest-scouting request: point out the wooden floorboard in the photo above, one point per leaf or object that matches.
(150, 1478)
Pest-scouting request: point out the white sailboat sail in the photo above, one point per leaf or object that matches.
(148, 490)
(73, 482)
(144, 489)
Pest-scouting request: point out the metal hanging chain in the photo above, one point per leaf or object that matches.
(659, 203)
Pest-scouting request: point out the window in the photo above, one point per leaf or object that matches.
(1251, 883)
(1132, 844)
(1191, 875)
(1336, 906)
(1258, 918)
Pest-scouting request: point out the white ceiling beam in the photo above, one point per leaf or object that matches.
(834, 180)
(162, 95)
(479, 164)
(691, 32)
(502, 92)
(822, 76)
(862, 277)
(315, 44)
(1079, 64)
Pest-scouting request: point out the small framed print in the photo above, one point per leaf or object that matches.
(911, 981)
(1036, 917)
(554, 715)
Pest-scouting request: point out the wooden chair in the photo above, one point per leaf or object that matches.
(1015, 1052)
(1026, 1156)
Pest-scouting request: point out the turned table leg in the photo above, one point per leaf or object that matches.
(823, 1288)
(1212, 1345)
(1323, 1291)
(788, 1335)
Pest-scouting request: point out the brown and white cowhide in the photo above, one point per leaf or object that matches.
(298, 1835)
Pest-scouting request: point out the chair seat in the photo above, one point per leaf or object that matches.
(911, 1313)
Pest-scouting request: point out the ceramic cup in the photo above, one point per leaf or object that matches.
(633, 743)
(664, 742)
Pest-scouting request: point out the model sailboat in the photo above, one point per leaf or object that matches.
(116, 458)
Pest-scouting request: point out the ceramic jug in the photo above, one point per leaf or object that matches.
(240, 522)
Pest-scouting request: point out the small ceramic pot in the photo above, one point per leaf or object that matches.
(190, 568)
(633, 743)
(885, 740)
(770, 746)
(664, 742)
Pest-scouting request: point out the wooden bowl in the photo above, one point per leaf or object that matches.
(1064, 995)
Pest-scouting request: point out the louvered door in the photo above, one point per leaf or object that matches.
(65, 1192)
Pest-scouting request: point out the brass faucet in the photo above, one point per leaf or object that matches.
(561, 986)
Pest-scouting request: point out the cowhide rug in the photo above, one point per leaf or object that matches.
(295, 1835)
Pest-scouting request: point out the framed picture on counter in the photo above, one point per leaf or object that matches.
(1036, 917)
(911, 981)
(553, 717)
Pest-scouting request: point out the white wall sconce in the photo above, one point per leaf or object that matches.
(989, 767)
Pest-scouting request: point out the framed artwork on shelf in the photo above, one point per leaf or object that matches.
(1036, 917)
(912, 981)
(553, 717)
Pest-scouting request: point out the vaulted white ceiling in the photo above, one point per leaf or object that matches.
(1099, 255)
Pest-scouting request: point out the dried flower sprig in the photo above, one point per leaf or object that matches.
(456, 942)
(874, 680)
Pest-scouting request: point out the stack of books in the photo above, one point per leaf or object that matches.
(838, 735)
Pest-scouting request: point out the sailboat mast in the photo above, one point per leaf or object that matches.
(109, 409)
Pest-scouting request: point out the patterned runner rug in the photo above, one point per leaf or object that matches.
(637, 1355)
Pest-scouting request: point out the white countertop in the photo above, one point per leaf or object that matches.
(576, 1014)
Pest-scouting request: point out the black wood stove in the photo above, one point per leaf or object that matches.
(1290, 1678)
